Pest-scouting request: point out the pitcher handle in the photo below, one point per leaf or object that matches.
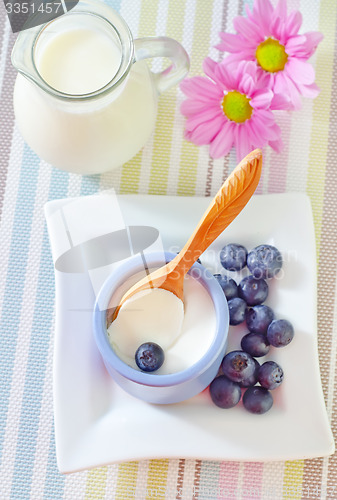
(163, 46)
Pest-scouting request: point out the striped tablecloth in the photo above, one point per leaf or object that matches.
(167, 165)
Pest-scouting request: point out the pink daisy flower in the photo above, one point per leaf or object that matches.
(270, 37)
(230, 108)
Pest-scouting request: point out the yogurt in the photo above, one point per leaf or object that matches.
(184, 331)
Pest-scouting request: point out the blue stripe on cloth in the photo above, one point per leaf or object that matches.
(54, 483)
(114, 4)
(90, 184)
(15, 279)
(37, 362)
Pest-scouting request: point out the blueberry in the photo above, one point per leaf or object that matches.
(149, 357)
(280, 332)
(238, 366)
(237, 311)
(257, 400)
(224, 392)
(264, 261)
(233, 257)
(252, 379)
(256, 344)
(252, 290)
(228, 285)
(270, 375)
(258, 318)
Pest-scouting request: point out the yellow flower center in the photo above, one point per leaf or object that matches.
(271, 55)
(236, 106)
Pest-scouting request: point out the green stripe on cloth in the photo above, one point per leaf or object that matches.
(321, 115)
(131, 170)
(96, 484)
(200, 47)
(292, 481)
(157, 479)
(126, 480)
(166, 110)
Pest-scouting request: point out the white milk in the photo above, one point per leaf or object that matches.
(85, 137)
(79, 61)
(185, 335)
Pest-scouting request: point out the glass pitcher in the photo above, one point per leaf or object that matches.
(84, 98)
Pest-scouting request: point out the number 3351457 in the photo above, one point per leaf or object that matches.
(25, 7)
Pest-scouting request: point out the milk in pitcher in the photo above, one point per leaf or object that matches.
(85, 137)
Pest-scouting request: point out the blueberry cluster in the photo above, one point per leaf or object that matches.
(240, 369)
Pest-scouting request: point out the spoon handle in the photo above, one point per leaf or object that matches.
(226, 205)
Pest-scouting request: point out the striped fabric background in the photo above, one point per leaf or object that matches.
(167, 165)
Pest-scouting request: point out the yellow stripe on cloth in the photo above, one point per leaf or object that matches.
(126, 481)
(321, 115)
(293, 480)
(166, 110)
(200, 48)
(96, 484)
(157, 479)
(131, 170)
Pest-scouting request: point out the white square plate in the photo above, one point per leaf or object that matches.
(97, 423)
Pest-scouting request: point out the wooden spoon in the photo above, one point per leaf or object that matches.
(226, 205)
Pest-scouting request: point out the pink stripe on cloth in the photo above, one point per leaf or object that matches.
(259, 189)
(252, 481)
(279, 161)
(228, 479)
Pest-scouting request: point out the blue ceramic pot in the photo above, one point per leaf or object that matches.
(168, 388)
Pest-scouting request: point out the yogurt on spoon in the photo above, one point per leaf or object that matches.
(184, 331)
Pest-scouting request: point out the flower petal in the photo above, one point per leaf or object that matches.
(277, 145)
(247, 68)
(205, 132)
(281, 10)
(201, 88)
(226, 73)
(242, 142)
(262, 99)
(293, 23)
(191, 107)
(231, 42)
(247, 29)
(284, 85)
(281, 102)
(265, 115)
(209, 66)
(201, 117)
(262, 15)
(223, 142)
(246, 85)
(256, 138)
(313, 38)
(300, 71)
(310, 91)
(265, 80)
(256, 128)
(274, 132)
(295, 45)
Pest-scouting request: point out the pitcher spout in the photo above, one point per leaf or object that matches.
(22, 54)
